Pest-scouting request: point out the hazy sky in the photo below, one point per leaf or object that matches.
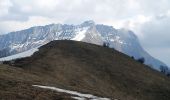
(149, 19)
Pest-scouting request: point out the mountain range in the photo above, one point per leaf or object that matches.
(122, 40)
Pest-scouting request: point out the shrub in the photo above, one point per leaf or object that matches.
(164, 69)
(132, 57)
(141, 60)
(106, 44)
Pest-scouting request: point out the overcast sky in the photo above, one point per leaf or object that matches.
(149, 19)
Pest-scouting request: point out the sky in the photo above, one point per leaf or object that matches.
(149, 19)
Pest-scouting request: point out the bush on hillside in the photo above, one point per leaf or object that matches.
(141, 60)
(106, 44)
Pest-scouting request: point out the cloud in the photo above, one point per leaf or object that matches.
(112, 12)
(100, 9)
(6, 26)
(152, 7)
(74, 11)
(131, 14)
(4, 6)
(157, 32)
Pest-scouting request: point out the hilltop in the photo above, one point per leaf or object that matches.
(82, 67)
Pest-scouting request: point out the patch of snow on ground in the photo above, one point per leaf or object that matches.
(76, 95)
(78, 98)
(20, 55)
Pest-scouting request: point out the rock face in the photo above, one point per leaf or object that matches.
(122, 40)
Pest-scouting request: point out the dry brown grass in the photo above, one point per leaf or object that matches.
(91, 69)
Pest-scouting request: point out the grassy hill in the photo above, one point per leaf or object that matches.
(81, 67)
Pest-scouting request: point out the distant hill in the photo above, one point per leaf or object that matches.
(82, 67)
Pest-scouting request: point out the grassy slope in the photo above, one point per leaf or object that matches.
(87, 68)
(16, 84)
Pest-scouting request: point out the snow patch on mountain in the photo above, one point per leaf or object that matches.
(20, 55)
(80, 34)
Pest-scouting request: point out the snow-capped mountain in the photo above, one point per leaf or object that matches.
(122, 40)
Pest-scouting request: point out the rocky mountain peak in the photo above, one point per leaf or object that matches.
(122, 40)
